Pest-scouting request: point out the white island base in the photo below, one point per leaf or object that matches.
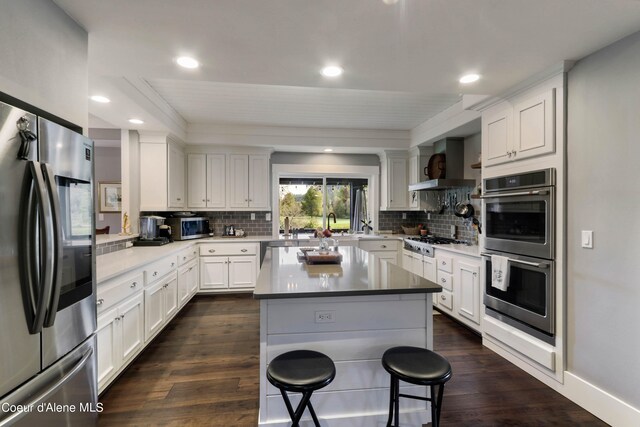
(362, 329)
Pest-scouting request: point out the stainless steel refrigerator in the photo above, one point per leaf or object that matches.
(47, 274)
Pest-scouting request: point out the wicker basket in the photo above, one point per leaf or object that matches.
(411, 231)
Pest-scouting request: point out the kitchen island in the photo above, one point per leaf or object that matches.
(352, 312)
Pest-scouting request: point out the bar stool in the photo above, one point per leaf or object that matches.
(301, 371)
(417, 366)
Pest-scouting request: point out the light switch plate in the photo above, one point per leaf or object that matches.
(404, 215)
(100, 217)
(587, 239)
(253, 217)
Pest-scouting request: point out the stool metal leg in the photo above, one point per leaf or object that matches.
(313, 414)
(305, 402)
(434, 407)
(439, 405)
(396, 398)
(392, 395)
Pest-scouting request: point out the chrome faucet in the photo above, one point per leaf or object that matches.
(334, 220)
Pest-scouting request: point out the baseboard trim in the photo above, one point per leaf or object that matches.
(603, 405)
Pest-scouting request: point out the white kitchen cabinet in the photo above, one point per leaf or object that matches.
(382, 250)
(520, 129)
(459, 276)
(248, 181)
(197, 180)
(160, 304)
(394, 184)
(206, 180)
(429, 268)
(412, 261)
(162, 173)
(228, 266)
(176, 177)
(468, 278)
(187, 282)
(120, 337)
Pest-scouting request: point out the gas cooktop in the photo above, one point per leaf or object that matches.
(433, 240)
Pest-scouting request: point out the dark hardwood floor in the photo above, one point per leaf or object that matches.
(202, 370)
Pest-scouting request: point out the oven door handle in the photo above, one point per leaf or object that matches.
(519, 193)
(532, 264)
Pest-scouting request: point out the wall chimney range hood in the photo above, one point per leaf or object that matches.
(453, 149)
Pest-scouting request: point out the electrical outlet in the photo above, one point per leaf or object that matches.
(429, 216)
(404, 215)
(325, 316)
(253, 217)
(587, 239)
(267, 217)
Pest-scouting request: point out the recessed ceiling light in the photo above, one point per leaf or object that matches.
(469, 78)
(187, 62)
(328, 150)
(100, 98)
(332, 71)
(136, 121)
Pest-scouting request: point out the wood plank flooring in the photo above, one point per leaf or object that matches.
(202, 370)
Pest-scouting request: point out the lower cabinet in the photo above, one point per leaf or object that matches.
(160, 304)
(459, 276)
(382, 250)
(228, 266)
(120, 337)
(187, 282)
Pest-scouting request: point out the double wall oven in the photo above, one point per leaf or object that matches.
(519, 223)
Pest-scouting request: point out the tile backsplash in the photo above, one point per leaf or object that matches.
(439, 224)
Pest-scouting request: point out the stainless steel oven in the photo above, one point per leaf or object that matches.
(528, 303)
(519, 213)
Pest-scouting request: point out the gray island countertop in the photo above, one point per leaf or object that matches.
(284, 276)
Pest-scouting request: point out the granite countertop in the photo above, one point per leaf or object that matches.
(283, 276)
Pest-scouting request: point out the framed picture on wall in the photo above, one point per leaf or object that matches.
(110, 195)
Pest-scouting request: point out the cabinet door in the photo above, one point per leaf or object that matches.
(238, 181)
(170, 298)
(407, 261)
(183, 286)
(416, 265)
(414, 196)
(108, 346)
(153, 176)
(469, 291)
(388, 256)
(497, 136)
(534, 126)
(429, 268)
(193, 278)
(398, 186)
(176, 177)
(242, 272)
(216, 181)
(197, 182)
(153, 309)
(258, 181)
(132, 324)
(214, 272)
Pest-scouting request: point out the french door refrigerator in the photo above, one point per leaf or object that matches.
(47, 286)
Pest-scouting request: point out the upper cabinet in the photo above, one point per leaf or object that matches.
(206, 180)
(519, 130)
(162, 173)
(394, 188)
(248, 181)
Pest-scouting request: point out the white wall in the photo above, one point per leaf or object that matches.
(107, 169)
(44, 58)
(603, 195)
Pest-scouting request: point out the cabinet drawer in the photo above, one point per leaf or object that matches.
(445, 280)
(229, 249)
(445, 300)
(445, 263)
(187, 255)
(117, 289)
(159, 268)
(379, 245)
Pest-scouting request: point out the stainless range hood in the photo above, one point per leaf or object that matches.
(453, 149)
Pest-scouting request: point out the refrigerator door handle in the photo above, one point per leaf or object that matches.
(55, 255)
(50, 391)
(36, 287)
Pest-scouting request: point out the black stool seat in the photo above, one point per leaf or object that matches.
(416, 365)
(301, 371)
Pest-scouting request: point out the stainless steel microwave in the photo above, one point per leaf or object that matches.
(519, 213)
(188, 228)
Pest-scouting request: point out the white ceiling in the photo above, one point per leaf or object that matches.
(260, 59)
